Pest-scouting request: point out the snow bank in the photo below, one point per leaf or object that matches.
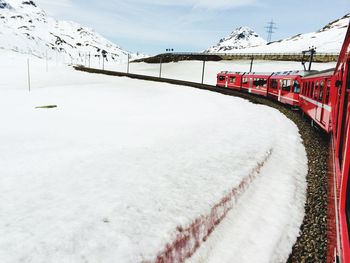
(121, 166)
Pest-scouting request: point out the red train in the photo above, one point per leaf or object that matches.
(325, 97)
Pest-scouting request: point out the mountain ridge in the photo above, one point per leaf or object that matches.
(328, 39)
(241, 37)
(26, 28)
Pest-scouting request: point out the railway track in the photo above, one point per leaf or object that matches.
(311, 245)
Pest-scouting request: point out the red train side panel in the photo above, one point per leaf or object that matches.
(230, 80)
(341, 142)
(317, 94)
(256, 83)
(285, 87)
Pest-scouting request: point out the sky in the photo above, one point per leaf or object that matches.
(152, 26)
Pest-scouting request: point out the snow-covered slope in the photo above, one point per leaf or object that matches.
(24, 27)
(327, 39)
(122, 167)
(242, 37)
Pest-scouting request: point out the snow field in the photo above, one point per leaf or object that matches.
(192, 70)
(110, 174)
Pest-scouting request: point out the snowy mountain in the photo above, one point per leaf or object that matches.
(242, 37)
(328, 39)
(26, 28)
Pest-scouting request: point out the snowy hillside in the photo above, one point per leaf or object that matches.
(328, 39)
(26, 28)
(242, 37)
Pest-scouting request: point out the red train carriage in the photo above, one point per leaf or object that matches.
(317, 97)
(256, 83)
(341, 150)
(229, 80)
(285, 87)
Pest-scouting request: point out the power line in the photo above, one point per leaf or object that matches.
(271, 26)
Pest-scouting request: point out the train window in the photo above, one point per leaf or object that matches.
(245, 81)
(320, 95)
(296, 87)
(316, 90)
(286, 84)
(273, 84)
(306, 88)
(232, 79)
(327, 94)
(260, 82)
(221, 78)
(312, 89)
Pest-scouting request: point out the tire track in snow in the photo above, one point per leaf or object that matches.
(189, 239)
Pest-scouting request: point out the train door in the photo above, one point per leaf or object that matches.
(280, 89)
(250, 85)
(319, 99)
(226, 81)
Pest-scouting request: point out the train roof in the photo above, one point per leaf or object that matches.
(279, 73)
(231, 72)
(283, 74)
(323, 73)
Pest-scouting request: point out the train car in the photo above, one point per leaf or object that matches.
(317, 97)
(229, 79)
(256, 83)
(285, 87)
(341, 151)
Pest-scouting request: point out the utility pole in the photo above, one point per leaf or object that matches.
(127, 71)
(271, 26)
(203, 70)
(251, 64)
(104, 56)
(311, 52)
(160, 67)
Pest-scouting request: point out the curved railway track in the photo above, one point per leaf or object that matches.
(311, 245)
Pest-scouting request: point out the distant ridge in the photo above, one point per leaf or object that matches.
(240, 38)
(328, 39)
(26, 28)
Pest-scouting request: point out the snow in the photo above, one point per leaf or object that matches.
(192, 70)
(112, 172)
(327, 40)
(27, 29)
